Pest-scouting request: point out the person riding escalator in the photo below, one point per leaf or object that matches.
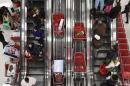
(39, 35)
(34, 50)
(38, 17)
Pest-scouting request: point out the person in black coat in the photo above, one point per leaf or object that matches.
(2, 39)
(33, 49)
(126, 11)
(115, 11)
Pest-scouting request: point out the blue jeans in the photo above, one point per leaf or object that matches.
(99, 2)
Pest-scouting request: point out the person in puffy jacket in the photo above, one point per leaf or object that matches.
(126, 11)
(99, 28)
(38, 34)
(115, 11)
(33, 49)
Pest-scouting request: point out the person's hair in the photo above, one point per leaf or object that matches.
(26, 79)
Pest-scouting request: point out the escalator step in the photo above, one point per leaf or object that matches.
(98, 62)
(96, 70)
(39, 83)
(96, 65)
(103, 51)
(36, 64)
(39, 78)
(101, 55)
(107, 44)
(37, 71)
(36, 74)
(99, 58)
(29, 23)
(31, 38)
(104, 48)
(97, 75)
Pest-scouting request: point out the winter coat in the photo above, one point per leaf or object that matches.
(112, 54)
(114, 12)
(38, 33)
(97, 43)
(37, 20)
(35, 50)
(100, 29)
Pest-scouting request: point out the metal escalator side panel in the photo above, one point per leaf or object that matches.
(49, 39)
(89, 4)
(69, 50)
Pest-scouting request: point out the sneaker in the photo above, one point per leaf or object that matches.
(110, 65)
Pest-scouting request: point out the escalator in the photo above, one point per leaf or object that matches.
(79, 44)
(36, 67)
(58, 41)
(99, 57)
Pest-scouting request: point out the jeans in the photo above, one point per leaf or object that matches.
(99, 2)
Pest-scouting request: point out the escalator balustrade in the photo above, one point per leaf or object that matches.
(36, 66)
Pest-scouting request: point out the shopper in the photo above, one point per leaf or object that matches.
(99, 28)
(34, 49)
(99, 3)
(126, 11)
(115, 11)
(28, 81)
(39, 35)
(36, 17)
(2, 39)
